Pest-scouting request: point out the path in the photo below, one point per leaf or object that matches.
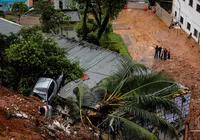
(132, 34)
(141, 31)
(26, 20)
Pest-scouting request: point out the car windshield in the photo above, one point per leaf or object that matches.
(43, 96)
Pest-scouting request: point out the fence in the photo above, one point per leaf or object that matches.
(163, 15)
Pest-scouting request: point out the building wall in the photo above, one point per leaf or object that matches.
(64, 4)
(67, 31)
(6, 6)
(163, 15)
(189, 15)
(29, 3)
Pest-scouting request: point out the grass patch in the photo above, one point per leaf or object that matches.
(115, 43)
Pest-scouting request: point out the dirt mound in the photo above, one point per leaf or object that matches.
(21, 120)
(19, 116)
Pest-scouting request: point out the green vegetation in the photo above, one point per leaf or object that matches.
(19, 8)
(124, 104)
(28, 55)
(10, 19)
(102, 11)
(115, 43)
(51, 18)
(2, 14)
(96, 26)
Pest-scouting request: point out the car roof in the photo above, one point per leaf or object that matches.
(43, 84)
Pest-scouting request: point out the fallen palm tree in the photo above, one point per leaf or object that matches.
(124, 105)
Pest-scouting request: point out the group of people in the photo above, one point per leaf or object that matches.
(162, 53)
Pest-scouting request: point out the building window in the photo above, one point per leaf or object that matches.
(61, 5)
(181, 20)
(175, 13)
(198, 8)
(191, 3)
(188, 26)
(195, 32)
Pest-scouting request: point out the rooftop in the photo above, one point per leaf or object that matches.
(75, 17)
(98, 62)
(7, 26)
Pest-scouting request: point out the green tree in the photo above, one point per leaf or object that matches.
(19, 8)
(103, 11)
(5, 42)
(32, 55)
(2, 14)
(51, 18)
(126, 102)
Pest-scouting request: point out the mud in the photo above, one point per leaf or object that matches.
(142, 31)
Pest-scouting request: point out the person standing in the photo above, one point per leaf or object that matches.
(165, 54)
(168, 54)
(156, 52)
(162, 53)
(159, 51)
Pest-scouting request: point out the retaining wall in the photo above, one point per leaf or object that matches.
(163, 15)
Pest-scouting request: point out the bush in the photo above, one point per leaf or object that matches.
(2, 14)
(10, 19)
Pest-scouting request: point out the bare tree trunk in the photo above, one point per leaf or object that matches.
(85, 20)
(19, 18)
(96, 16)
(103, 26)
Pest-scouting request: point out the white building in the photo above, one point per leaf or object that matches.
(63, 4)
(187, 13)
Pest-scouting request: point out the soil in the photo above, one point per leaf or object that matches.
(16, 128)
(142, 31)
(32, 127)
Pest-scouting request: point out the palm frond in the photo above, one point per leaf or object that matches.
(134, 131)
(80, 92)
(94, 96)
(153, 102)
(128, 67)
(124, 69)
(167, 127)
(152, 119)
(134, 76)
(151, 82)
(143, 88)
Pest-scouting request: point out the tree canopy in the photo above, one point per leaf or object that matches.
(51, 18)
(19, 8)
(31, 55)
(102, 11)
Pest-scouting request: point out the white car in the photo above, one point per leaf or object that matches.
(47, 88)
